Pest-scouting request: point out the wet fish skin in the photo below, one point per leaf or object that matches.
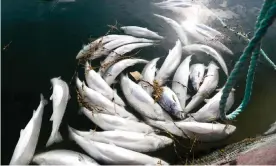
(97, 83)
(63, 157)
(193, 48)
(176, 27)
(135, 141)
(197, 75)
(141, 32)
(206, 132)
(118, 67)
(119, 52)
(89, 48)
(111, 154)
(208, 86)
(148, 75)
(60, 99)
(109, 47)
(170, 103)
(170, 64)
(180, 81)
(141, 101)
(167, 126)
(210, 111)
(210, 31)
(26, 145)
(111, 122)
(199, 35)
(95, 99)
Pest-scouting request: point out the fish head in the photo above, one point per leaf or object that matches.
(170, 102)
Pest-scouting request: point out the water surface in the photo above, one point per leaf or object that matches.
(45, 40)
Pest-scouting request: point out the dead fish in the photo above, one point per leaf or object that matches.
(109, 47)
(148, 75)
(118, 67)
(60, 99)
(118, 53)
(180, 81)
(141, 101)
(97, 83)
(205, 132)
(197, 74)
(210, 111)
(63, 157)
(170, 64)
(98, 102)
(198, 34)
(111, 122)
(141, 32)
(170, 103)
(112, 154)
(176, 27)
(193, 48)
(139, 142)
(26, 145)
(90, 48)
(208, 86)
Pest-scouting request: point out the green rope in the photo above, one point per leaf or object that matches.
(231, 81)
(252, 67)
(267, 4)
(268, 59)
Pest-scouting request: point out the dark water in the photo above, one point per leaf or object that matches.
(44, 42)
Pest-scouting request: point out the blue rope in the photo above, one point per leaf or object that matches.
(254, 43)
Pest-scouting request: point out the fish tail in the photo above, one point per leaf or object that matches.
(71, 132)
(54, 138)
(43, 100)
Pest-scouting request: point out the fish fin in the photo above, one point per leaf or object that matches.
(43, 100)
(218, 89)
(21, 132)
(33, 112)
(91, 131)
(51, 97)
(52, 117)
(56, 138)
(188, 97)
(233, 89)
(206, 100)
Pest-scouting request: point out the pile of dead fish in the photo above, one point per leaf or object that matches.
(125, 137)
